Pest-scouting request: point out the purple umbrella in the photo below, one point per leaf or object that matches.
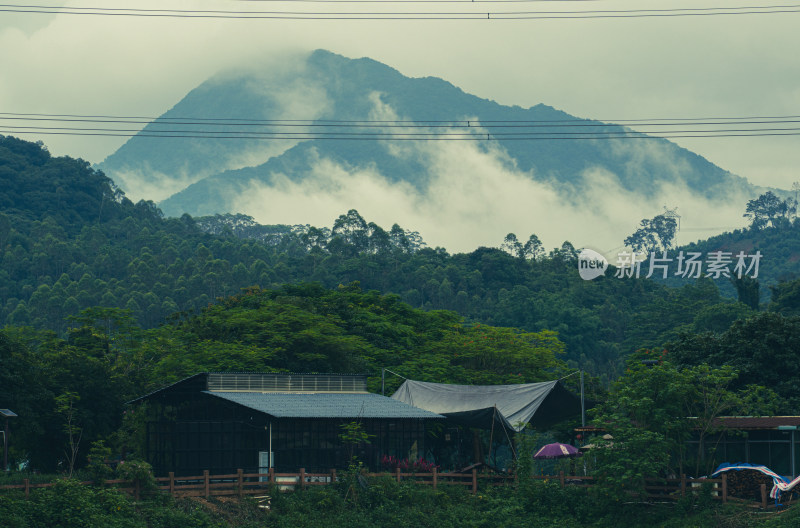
(557, 451)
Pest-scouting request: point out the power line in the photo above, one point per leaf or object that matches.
(478, 133)
(406, 15)
(409, 124)
(116, 118)
(395, 137)
(417, 1)
(474, 130)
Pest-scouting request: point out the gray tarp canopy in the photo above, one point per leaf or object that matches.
(480, 405)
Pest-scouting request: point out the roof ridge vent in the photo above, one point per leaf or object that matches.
(281, 382)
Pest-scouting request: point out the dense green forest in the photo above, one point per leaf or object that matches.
(779, 244)
(70, 241)
(106, 300)
(106, 359)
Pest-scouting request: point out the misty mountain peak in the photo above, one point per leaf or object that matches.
(207, 175)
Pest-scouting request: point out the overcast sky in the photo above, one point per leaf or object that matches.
(602, 68)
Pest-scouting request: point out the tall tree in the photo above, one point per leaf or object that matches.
(657, 233)
(768, 209)
(533, 248)
(512, 246)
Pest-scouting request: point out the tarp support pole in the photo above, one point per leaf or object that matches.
(583, 418)
(491, 434)
(510, 443)
(583, 406)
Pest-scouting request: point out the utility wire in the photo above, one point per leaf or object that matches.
(510, 135)
(406, 15)
(474, 130)
(418, 1)
(395, 137)
(400, 123)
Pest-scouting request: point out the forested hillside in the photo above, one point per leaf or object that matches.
(105, 300)
(779, 245)
(72, 241)
(106, 359)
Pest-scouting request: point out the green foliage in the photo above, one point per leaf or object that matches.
(137, 471)
(98, 466)
(768, 209)
(778, 245)
(786, 298)
(353, 435)
(652, 410)
(65, 406)
(656, 234)
(760, 348)
(69, 504)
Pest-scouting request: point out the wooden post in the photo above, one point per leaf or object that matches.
(764, 496)
(683, 484)
(397, 473)
(724, 487)
(474, 481)
(272, 475)
(435, 478)
(207, 483)
(302, 478)
(240, 480)
(333, 476)
(561, 477)
(172, 483)
(27, 488)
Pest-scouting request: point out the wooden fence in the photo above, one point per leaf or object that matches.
(242, 484)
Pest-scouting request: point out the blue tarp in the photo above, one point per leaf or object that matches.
(780, 484)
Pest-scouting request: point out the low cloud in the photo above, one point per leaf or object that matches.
(475, 197)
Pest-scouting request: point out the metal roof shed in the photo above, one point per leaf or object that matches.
(225, 421)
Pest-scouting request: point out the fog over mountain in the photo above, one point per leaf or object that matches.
(457, 194)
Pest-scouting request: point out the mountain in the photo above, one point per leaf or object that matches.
(204, 176)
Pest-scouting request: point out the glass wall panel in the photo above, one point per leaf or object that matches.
(779, 455)
(759, 453)
(735, 452)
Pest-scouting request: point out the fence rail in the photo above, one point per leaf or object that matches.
(242, 484)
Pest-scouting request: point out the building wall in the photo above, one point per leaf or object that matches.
(198, 432)
(776, 449)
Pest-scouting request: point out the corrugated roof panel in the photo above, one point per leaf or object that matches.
(324, 405)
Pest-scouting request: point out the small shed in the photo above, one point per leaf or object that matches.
(222, 421)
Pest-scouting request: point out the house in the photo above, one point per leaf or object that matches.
(772, 441)
(223, 421)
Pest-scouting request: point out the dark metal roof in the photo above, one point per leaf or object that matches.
(757, 422)
(734, 422)
(324, 405)
(263, 382)
(170, 387)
